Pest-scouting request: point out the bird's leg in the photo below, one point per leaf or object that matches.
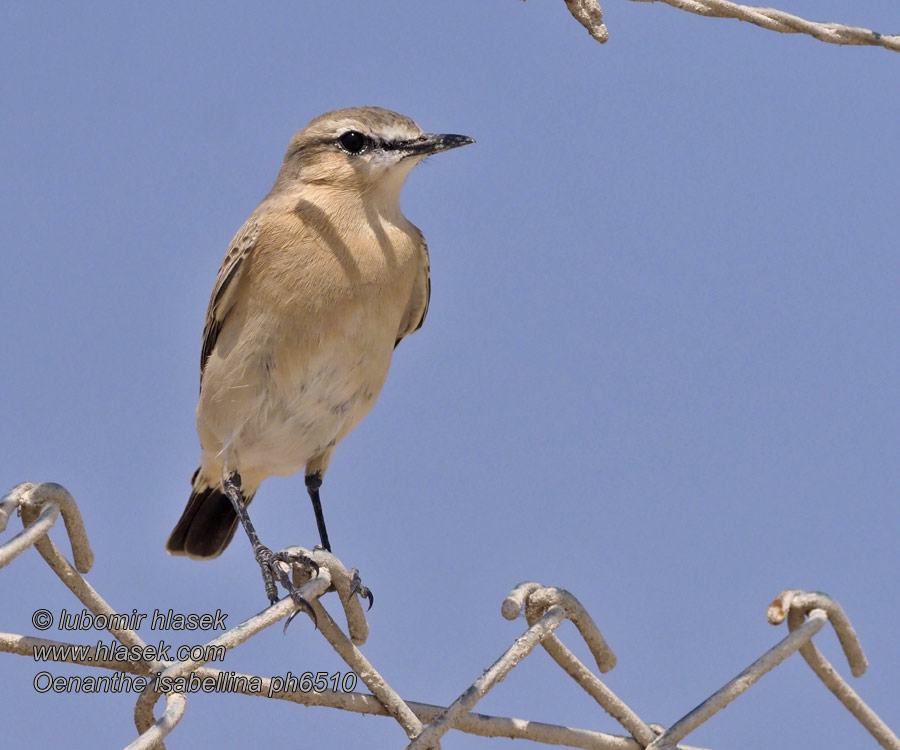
(268, 560)
(313, 483)
(231, 484)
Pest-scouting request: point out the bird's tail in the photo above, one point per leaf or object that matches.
(207, 524)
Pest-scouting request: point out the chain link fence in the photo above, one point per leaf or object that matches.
(544, 609)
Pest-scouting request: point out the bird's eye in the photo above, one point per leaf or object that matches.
(352, 141)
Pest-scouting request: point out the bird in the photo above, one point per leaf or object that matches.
(316, 290)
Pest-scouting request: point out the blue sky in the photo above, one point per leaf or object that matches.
(660, 367)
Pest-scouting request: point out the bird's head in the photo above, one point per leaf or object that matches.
(363, 149)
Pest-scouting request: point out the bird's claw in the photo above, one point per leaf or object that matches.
(296, 557)
(270, 565)
(357, 587)
(291, 558)
(302, 606)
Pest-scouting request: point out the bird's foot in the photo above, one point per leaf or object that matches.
(356, 584)
(357, 587)
(291, 558)
(270, 564)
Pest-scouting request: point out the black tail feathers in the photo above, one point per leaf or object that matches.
(207, 524)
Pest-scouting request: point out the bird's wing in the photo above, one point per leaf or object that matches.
(223, 293)
(417, 308)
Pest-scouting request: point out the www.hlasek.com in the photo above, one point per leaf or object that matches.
(115, 651)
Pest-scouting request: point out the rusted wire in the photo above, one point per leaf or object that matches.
(39, 506)
(545, 608)
(152, 738)
(146, 724)
(731, 690)
(798, 605)
(535, 602)
(483, 725)
(35, 503)
(589, 14)
(521, 647)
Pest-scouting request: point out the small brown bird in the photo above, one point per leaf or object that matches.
(317, 288)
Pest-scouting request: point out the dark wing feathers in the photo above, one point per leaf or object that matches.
(222, 297)
(417, 308)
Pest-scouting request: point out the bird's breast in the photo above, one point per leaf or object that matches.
(311, 353)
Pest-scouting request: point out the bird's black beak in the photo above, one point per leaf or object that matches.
(432, 143)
